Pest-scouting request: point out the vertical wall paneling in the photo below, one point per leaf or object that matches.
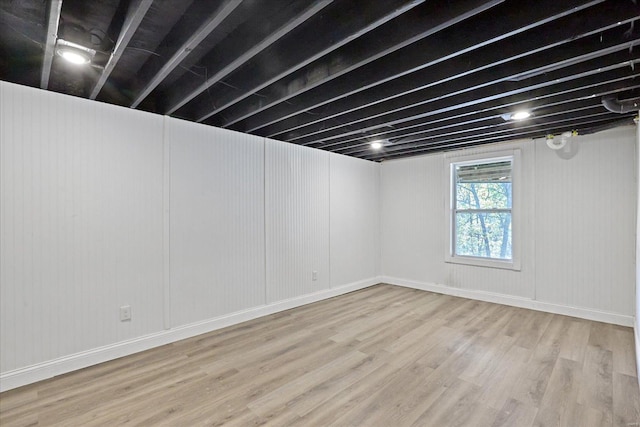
(354, 220)
(413, 224)
(585, 217)
(80, 226)
(412, 220)
(216, 222)
(166, 216)
(637, 308)
(187, 223)
(166, 225)
(500, 281)
(297, 220)
(577, 231)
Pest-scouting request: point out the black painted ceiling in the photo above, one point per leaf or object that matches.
(419, 75)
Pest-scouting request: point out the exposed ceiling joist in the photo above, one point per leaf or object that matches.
(220, 14)
(498, 130)
(486, 126)
(570, 123)
(449, 55)
(421, 76)
(301, 57)
(53, 21)
(583, 76)
(543, 38)
(589, 97)
(488, 80)
(615, 81)
(245, 56)
(361, 53)
(137, 10)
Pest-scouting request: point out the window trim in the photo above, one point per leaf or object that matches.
(452, 159)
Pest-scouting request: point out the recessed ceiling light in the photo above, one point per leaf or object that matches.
(520, 115)
(74, 53)
(73, 56)
(376, 145)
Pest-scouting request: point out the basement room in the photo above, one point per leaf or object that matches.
(319, 213)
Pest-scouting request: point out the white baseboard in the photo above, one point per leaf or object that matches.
(41, 371)
(584, 313)
(637, 339)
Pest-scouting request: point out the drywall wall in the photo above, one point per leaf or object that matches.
(577, 254)
(194, 228)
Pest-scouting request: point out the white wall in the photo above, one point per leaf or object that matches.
(297, 218)
(637, 309)
(80, 225)
(577, 235)
(217, 221)
(195, 228)
(412, 219)
(355, 211)
(585, 216)
(198, 228)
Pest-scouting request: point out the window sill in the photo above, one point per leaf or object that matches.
(482, 262)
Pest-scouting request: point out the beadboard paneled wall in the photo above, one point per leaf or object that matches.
(297, 220)
(412, 220)
(80, 225)
(499, 281)
(216, 221)
(577, 234)
(195, 228)
(585, 213)
(637, 310)
(354, 220)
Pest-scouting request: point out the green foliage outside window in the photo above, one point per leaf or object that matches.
(483, 201)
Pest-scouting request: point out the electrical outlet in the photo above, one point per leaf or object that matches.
(314, 275)
(125, 313)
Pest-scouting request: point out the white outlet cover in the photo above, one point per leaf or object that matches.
(125, 313)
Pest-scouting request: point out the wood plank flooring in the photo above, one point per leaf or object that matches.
(383, 356)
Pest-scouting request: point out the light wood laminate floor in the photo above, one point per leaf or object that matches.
(382, 356)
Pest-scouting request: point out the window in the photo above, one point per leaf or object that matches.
(481, 213)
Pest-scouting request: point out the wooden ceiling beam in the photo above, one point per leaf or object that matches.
(136, 12)
(219, 15)
(53, 22)
(376, 63)
(244, 56)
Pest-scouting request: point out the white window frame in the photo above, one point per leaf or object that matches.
(450, 161)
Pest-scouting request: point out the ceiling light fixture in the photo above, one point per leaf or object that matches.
(73, 56)
(518, 115)
(74, 53)
(376, 145)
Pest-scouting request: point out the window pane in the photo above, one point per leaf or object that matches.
(485, 172)
(487, 195)
(486, 235)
